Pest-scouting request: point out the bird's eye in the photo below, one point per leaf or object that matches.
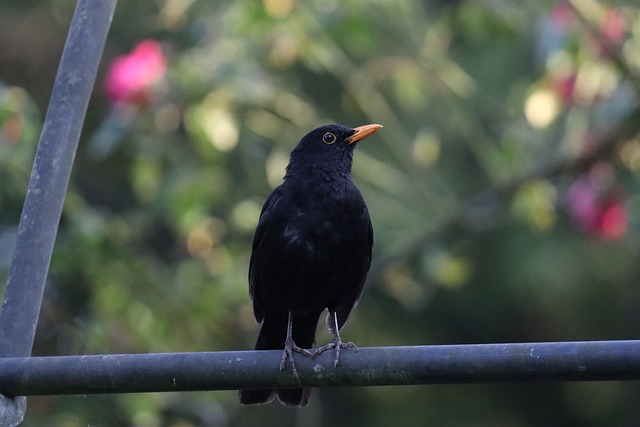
(328, 138)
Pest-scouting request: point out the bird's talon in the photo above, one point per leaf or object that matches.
(322, 349)
(287, 354)
(302, 351)
(337, 345)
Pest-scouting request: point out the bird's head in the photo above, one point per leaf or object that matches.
(328, 147)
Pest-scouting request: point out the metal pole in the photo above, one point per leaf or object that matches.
(50, 175)
(442, 364)
(48, 185)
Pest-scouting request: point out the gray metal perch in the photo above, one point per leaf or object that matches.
(438, 364)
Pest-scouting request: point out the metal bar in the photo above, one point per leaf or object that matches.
(48, 185)
(441, 364)
(50, 175)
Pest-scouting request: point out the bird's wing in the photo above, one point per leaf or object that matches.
(257, 250)
(343, 310)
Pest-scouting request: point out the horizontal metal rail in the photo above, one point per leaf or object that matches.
(437, 364)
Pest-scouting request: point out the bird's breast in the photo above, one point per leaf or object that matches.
(311, 235)
(316, 247)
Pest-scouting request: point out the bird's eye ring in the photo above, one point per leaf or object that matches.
(328, 138)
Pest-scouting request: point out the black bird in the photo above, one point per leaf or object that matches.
(311, 252)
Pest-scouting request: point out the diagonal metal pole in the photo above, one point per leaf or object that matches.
(49, 180)
(50, 175)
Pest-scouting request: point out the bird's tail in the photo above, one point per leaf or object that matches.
(272, 337)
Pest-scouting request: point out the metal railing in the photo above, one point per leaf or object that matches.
(436, 364)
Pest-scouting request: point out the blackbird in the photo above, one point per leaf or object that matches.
(311, 251)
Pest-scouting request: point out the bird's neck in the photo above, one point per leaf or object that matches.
(329, 168)
(318, 174)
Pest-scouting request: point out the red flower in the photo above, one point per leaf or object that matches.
(131, 78)
(564, 87)
(597, 212)
(561, 16)
(612, 33)
(612, 27)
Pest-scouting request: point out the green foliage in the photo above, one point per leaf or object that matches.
(476, 187)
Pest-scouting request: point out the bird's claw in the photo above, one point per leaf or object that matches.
(336, 344)
(287, 354)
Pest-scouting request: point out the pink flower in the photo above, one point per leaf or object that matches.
(612, 33)
(612, 27)
(561, 16)
(598, 212)
(564, 87)
(131, 78)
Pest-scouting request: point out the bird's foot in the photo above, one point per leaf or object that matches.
(290, 347)
(336, 344)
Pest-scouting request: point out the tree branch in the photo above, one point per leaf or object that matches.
(484, 205)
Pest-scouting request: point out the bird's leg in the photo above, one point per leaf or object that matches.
(291, 347)
(332, 325)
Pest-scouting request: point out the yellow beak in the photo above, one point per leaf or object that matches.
(362, 132)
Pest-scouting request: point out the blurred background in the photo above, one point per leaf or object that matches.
(503, 190)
